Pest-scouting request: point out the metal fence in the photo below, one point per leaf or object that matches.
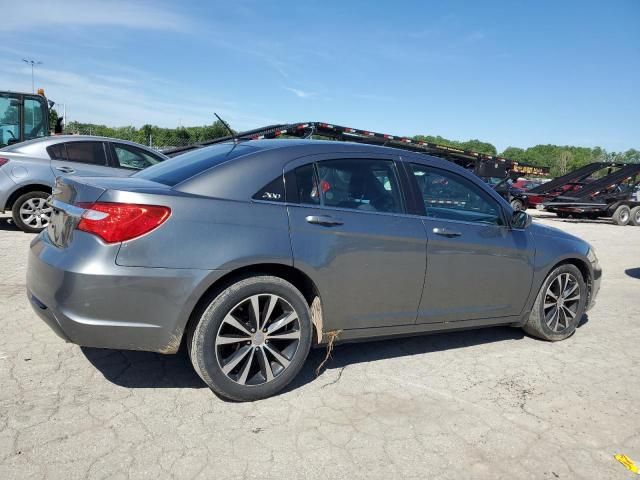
(158, 141)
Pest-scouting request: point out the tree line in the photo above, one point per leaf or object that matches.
(560, 158)
(152, 135)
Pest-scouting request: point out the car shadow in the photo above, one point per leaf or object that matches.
(633, 272)
(371, 351)
(6, 224)
(134, 369)
(578, 220)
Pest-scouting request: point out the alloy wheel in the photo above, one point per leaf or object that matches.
(35, 212)
(561, 302)
(257, 339)
(624, 216)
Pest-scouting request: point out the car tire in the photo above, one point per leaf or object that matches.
(242, 364)
(622, 215)
(31, 205)
(549, 321)
(634, 216)
(562, 214)
(517, 204)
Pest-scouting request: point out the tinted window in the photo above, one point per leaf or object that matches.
(368, 185)
(86, 152)
(449, 196)
(307, 185)
(274, 191)
(133, 157)
(35, 123)
(190, 164)
(57, 152)
(9, 120)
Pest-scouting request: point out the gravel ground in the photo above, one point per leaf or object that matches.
(490, 403)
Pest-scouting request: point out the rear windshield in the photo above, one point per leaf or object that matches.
(178, 169)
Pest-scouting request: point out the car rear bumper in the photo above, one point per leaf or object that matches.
(108, 306)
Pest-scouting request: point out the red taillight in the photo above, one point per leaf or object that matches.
(118, 222)
(3, 161)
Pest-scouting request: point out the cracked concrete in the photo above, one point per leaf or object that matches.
(490, 403)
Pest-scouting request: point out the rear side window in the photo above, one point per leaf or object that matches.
(86, 152)
(57, 152)
(306, 185)
(367, 185)
(190, 164)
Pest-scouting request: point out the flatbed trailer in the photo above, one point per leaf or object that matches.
(613, 196)
(482, 164)
(568, 183)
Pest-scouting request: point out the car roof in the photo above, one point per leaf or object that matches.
(37, 146)
(317, 146)
(243, 175)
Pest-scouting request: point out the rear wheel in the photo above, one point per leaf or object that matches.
(622, 215)
(559, 305)
(634, 216)
(253, 338)
(30, 211)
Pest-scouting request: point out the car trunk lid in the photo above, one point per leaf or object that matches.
(71, 196)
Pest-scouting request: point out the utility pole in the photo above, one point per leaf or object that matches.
(32, 63)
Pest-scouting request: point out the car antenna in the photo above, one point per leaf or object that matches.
(233, 135)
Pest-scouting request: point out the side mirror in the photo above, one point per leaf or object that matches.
(520, 219)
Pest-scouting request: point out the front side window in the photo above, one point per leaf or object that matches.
(86, 152)
(133, 158)
(449, 196)
(35, 123)
(367, 185)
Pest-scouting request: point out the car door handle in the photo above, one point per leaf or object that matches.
(445, 232)
(325, 220)
(65, 169)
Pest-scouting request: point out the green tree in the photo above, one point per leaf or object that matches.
(475, 145)
(53, 119)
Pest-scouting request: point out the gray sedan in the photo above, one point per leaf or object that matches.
(251, 253)
(29, 169)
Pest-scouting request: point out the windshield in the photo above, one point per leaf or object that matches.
(9, 120)
(178, 169)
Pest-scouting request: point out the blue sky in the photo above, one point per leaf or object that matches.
(512, 73)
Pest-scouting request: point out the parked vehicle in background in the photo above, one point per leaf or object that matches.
(23, 116)
(28, 170)
(524, 184)
(251, 252)
(505, 188)
(612, 196)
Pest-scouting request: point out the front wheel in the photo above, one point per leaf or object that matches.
(559, 306)
(31, 212)
(252, 339)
